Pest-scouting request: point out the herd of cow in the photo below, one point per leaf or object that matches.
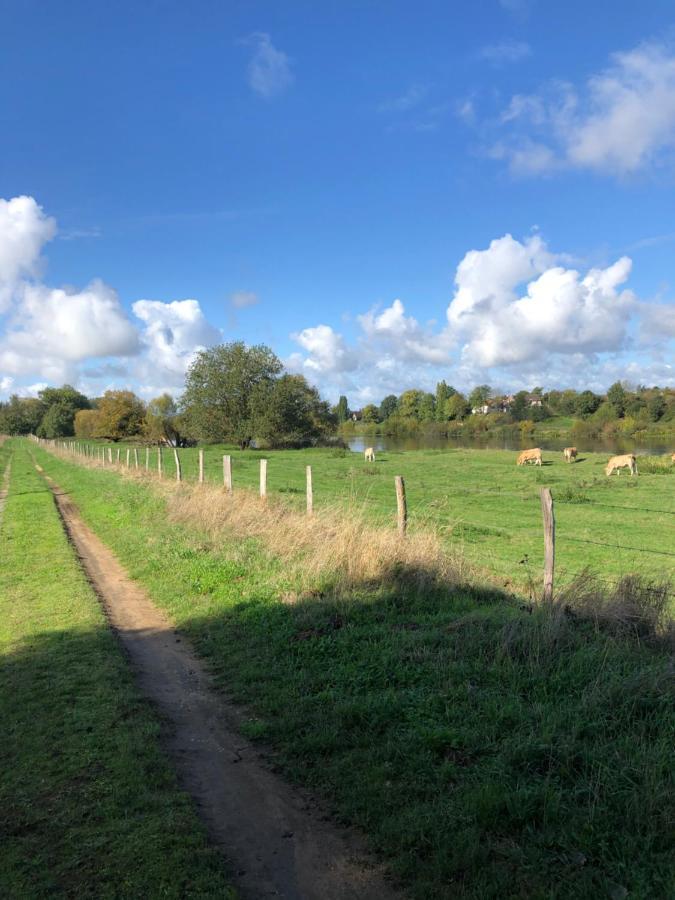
(615, 464)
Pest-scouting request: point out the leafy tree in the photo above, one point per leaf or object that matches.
(520, 409)
(85, 423)
(568, 403)
(409, 404)
(586, 403)
(60, 406)
(120, 415)
(457, 406)
(163, 422)
(219, 386)
(656, 407)
(21, 415)
(342, 409)
(443, 393)
(616, 395)
(388, 407)
(480, 395)
(288, 412)
(427, 408)
(370, 413)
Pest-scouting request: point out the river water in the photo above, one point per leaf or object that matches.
(612, 445)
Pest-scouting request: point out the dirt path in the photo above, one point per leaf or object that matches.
(276, 840)
(4, 486)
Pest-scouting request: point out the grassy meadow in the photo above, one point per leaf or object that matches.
(90, 805)
(487, 748)
(480, 503)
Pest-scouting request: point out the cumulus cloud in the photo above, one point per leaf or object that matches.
(508, 51)
(622, 120)
(51, 329)
(269, 71)
(244, 299)
(327, 350)
(512, 306)
(24, 230)
(403, 336)
(173, 333)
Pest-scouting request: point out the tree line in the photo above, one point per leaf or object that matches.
(240, 394)
(233, 393)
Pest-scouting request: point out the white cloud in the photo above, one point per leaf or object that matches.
(508, 51)
(244, 299)
(6, 385)
(269, 71)
(24, 229)
(327, 350)
(501, 322)
(403, 336)
(52, 329)
(172, 335)
(621, 121)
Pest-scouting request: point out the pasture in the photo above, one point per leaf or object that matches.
(486, 749)
(482, 505)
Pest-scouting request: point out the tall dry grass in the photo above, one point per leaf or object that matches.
(339, 548)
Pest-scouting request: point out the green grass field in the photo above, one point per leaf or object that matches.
(483, 505)
(487, 751)
(90, 805)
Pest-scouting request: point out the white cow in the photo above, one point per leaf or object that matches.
(617, 463)
(370, 454)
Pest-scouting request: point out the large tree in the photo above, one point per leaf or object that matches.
(219, 386)
(480, 395)
(60, 406)
(120, 414)
(288, 412)
(388, 407)
(163, 422)
(21, 415)
(342, 409)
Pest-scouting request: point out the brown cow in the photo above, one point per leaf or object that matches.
(370, 454)
(616, 463)
(530, 456)
(673, 457)
(570, 453)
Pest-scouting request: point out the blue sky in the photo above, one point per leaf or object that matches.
(338, 180)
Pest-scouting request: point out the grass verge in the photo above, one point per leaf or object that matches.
(487, 750)
(90, 805)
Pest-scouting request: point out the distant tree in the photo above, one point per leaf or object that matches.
(288, 412)
(370, 413)
(85, 423)
(342, 409)
(568, 403)
(656, 407)
(443, 393)
(457, 406)
(388, 407)
(616, 395)
(163, 422)
(520, 409)
(60, 406)
(427, 408)
(120, 414)
(409, 404)
(480, 395)
(218, 390)
(586, 403)
(21, 415)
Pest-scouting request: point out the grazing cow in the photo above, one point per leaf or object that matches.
(530, 456)
(370, 454)
(617, 463)
(570, 453)
(673, 457)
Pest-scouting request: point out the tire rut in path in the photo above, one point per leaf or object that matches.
(274, 837)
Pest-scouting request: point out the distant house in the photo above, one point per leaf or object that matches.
(480, 410)
(534, 400)
(356, 416)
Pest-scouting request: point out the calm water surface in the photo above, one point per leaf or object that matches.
(655, 447)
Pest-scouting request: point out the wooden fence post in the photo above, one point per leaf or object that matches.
(110, 455)
(549, 542)
(310, 492)
(201, 466)
(159, 462)
(119, 452)
(135, 457)
(263, 478)
(402, 507)
(128, 455)
(227, 473)
(147, 459)
(178, 470)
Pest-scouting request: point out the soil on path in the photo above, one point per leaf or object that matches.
(275, 837)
